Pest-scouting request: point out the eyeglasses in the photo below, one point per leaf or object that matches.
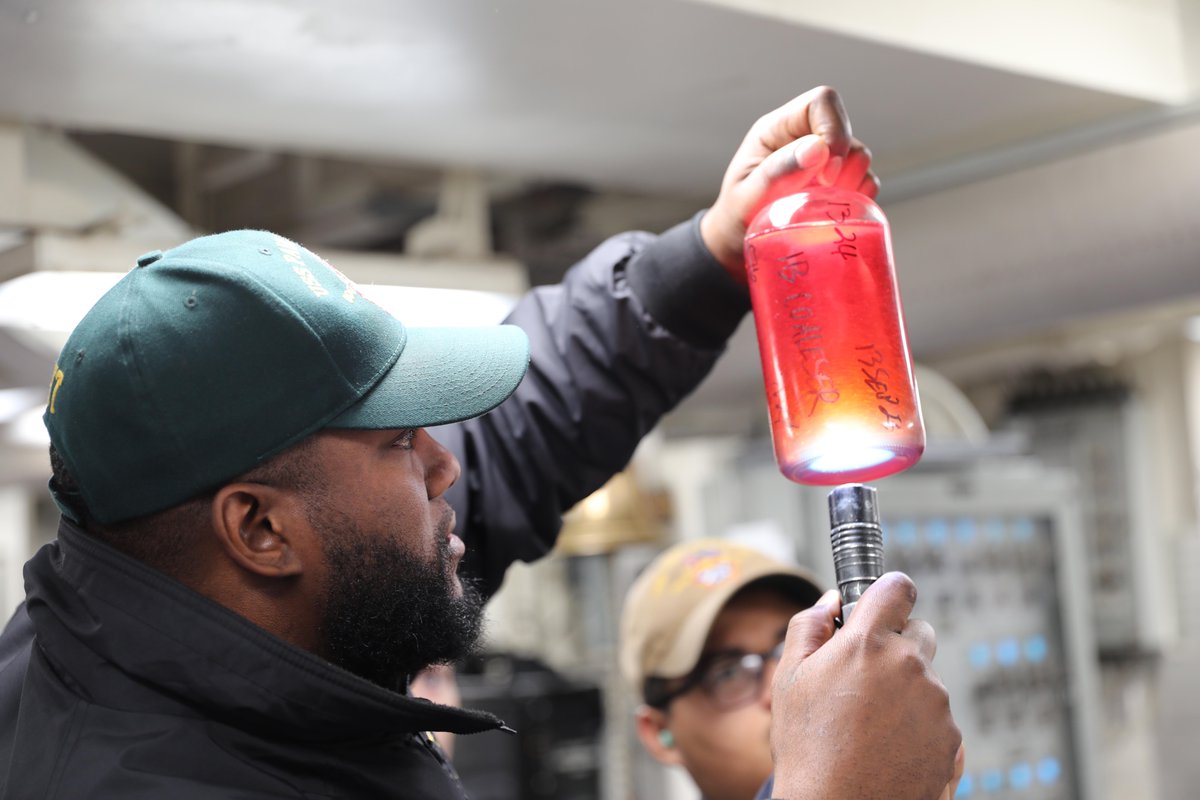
(730, 679)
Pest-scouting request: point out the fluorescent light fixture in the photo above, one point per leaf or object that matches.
(55, 301)
(423, 307)
(1191, 329)
(27, 429)
(14, 402)
(51, 301)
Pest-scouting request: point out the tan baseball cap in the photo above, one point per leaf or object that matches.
(674, 602)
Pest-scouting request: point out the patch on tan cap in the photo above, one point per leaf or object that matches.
(703, 568)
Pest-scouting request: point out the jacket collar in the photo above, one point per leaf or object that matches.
(128, 636)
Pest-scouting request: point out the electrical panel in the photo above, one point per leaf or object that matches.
(1103, 441)
(997, 556)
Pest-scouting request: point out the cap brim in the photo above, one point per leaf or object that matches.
(682, 658)
(443, 375)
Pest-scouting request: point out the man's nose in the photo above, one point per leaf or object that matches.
(442, 468)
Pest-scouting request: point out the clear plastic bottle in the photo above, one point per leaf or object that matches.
(843, 403)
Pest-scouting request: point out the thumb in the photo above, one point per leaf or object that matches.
(886, 604)
(786, 171)
(960, 764)
(812, 627)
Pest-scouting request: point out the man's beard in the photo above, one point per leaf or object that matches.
(388, 614)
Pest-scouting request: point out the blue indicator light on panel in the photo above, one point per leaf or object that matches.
(1023, 528)
(964, 530)
(1020, 776)
(905, 533)
(936, 532)
(966, 786)
(1048, 770)
(1036, 649)
(980, 655)
(995, 530)
(992, 781)
(1008, 652)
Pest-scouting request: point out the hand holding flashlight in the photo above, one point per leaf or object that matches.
(861, 713)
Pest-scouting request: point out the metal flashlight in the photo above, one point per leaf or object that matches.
(857, 541)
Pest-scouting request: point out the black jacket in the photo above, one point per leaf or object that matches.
(116, 681)
(139, 687)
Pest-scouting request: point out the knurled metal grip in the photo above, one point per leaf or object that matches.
(857, 541)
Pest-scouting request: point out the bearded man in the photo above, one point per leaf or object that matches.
(261, 538)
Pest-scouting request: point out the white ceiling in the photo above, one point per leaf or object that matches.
(651, 95)
(998, 128)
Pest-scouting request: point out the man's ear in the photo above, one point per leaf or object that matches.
(260, 528)
(656, 737)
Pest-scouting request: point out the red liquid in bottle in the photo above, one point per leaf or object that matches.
(842, 400)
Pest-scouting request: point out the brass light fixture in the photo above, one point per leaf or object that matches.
(618, 514)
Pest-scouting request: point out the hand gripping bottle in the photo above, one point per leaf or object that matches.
(840, 390)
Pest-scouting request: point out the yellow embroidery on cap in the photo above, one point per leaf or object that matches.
(55, 385)
(707, 568)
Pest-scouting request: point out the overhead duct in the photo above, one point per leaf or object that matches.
(68, 219)
(48, 183)
(1115, 228)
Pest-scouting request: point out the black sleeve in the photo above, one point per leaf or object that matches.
(604, 367)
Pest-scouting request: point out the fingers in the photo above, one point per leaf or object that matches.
(803, 159)
(783, 153)
(813, 627)
(869, 186)
(818, 111)
(790, 169)
(827, 118)
(920, 633)
(886, 604)
(807, 632)
(960, 765)
(852, 172)
(810, 160)
(853, 168)
(786, 171)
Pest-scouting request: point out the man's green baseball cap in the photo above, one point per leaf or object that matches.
(210, 358)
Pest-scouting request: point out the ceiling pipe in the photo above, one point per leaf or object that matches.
(1002, 161)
